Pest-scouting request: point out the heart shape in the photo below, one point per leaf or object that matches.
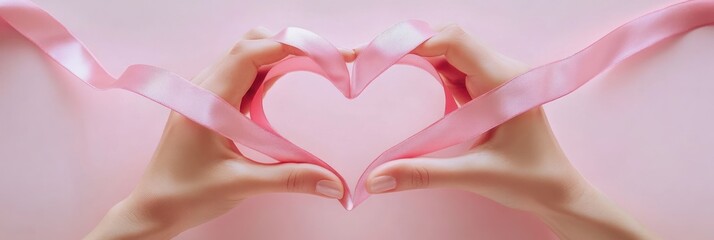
(322, 58)
(532, 89)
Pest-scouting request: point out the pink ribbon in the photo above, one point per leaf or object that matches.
(459, 125)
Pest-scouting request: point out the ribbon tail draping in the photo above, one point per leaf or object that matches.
(459, 125)
(548, 82)
(162, 86)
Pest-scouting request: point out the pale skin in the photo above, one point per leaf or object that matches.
(197, 175)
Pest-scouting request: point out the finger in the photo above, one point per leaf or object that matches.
(253, 34)
(442, 65)
(258, 33)
(448, 38)
(359, 48)
(204, 74)
(488, 67)
(296, 177)
(262, 32)
(235, 73)
(454, 79)
(419, 173)
(262, 51)
(465, 52)
(348, 55)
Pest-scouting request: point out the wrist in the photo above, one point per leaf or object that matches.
(578, 199)
(573, 194)
(589, 214)
(128, 220)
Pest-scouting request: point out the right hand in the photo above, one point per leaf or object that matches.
(520, 163)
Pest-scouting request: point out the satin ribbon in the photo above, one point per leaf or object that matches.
(459, 125)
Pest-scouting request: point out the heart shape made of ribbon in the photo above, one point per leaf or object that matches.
(459, 124)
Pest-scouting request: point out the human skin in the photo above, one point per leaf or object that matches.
(519, 164)
(196, 174)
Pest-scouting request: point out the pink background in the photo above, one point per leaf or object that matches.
(640, 132)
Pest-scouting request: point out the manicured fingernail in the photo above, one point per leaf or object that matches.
(382, 184)
(329, 189)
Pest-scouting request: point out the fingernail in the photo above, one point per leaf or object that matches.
(382, 184)
(329, 189)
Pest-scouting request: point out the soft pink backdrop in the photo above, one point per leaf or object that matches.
(641, 132)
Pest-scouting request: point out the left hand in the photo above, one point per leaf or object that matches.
(197, 174)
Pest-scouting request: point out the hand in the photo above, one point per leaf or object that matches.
(197, 174)
(519, 164)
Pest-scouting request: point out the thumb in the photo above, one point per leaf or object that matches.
(418, 173)
(297, 177)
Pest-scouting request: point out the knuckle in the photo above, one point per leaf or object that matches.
(420, 177)
(294, 181)
(241, 47)
(454, 30)
(256, 32)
